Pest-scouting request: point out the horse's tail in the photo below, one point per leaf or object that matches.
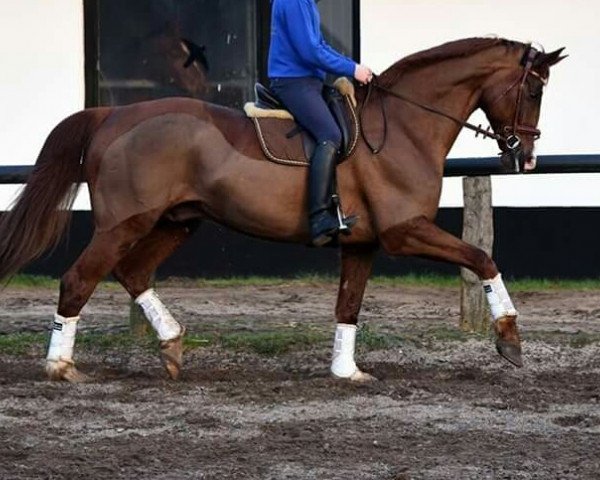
(41, 213)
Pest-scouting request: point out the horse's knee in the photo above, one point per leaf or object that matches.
(485, 267)
(479, 262)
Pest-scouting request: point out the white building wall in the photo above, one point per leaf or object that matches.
(392, 29)
(41, 76)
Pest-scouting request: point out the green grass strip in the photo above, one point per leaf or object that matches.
(277, 342)
(272, 343)
(29, 343)
(32, 281)
(22, 343)
(410, 280)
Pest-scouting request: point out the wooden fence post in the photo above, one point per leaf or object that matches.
(478, 230)
(138, 323)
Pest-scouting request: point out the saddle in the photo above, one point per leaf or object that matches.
(284, 141)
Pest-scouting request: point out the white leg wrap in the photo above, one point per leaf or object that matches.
(343, 364)
(167, 328)
(62, 339)
(500, 303)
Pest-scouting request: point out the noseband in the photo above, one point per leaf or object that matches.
(510, 133)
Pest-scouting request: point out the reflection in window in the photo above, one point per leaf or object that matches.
(196, 48)
(208, 49)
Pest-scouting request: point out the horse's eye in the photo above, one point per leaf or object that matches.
(536, 92)
(535, 88)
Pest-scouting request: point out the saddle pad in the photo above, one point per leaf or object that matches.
(282, 143)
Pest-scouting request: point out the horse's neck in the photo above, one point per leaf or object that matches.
(452, 87)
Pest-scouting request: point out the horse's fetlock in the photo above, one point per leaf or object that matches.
(56, 369)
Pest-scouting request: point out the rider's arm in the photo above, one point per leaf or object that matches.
(306, 38)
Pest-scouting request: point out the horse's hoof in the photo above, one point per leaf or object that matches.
(358, 377)
(171, 354)
(65, 370)
(508, 342)
(510, 352)
(362, 377)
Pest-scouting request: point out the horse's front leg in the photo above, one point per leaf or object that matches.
(355, 271)
(421, 237)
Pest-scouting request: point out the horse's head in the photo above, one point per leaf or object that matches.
(176, 62)
(512, 99)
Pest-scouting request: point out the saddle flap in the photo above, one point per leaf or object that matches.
(278, 134)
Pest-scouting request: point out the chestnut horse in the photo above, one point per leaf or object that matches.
(156, 169)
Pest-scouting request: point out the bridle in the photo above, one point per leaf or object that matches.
(510, 136)
(512, 132)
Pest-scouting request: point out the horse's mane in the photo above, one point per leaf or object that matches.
(450, 50)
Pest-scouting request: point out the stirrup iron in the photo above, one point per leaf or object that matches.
(344, 223)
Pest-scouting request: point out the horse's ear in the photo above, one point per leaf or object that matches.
(552, 58)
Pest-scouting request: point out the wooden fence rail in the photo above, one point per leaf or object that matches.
(455, 167)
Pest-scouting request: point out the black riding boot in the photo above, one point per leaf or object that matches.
(324, 224)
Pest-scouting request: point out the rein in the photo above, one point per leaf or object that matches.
(373, 84)
(511, 139)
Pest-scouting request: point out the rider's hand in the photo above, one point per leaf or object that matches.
(363, 74)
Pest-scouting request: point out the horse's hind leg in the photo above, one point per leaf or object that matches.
(78, 283)
(421, 237)
(356, 268)
(135, 273)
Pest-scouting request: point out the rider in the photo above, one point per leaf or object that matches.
(299, 58)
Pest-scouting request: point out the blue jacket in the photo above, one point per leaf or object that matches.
(297, 46)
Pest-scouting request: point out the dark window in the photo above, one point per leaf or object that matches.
(210, 49)
(338, 25)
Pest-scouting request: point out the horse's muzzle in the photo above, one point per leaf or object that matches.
(513, 159)
(517, 161)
